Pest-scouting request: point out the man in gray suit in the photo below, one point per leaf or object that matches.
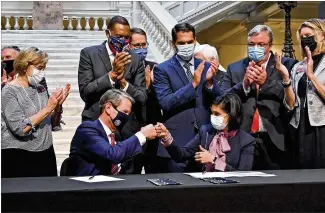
(107, 66)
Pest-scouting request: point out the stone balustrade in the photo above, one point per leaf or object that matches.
(158, 23)
(87, 16)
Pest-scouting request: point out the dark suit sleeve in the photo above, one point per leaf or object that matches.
(137, 90)
(227, 87)
(275, 87)
(167, 99)
(246, 158)
(99, 146)
(180, 154)
(90, 88)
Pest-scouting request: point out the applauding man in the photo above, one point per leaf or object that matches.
(108, 66)
(185, 88)
(256, 80)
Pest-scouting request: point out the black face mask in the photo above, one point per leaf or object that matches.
(309, 42)
(120, 120)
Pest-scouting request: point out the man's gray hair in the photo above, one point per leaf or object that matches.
(261, 28)
(207, 50)
(113, 96)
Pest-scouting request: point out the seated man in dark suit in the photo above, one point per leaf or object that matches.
(94, 150)
(185, 87)
(220, 145)
(260, 87)
(139, 45)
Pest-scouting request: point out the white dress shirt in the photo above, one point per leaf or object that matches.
(112, 57)
(191, 62)
(142, 139)
(261, 127)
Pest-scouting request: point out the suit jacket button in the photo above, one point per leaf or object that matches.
(310, 103)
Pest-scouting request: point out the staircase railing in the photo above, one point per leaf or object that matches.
(158, 23)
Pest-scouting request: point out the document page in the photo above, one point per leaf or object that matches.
(229, 174)
(96, 179)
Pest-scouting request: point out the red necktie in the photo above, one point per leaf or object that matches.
(114, 169)
(256, 117)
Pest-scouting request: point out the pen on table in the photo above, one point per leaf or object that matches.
(204, 170)
(91, 177)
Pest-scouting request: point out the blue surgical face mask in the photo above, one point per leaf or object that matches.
(256, 53)
(142, 52)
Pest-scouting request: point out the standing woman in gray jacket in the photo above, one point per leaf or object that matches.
(305, 96)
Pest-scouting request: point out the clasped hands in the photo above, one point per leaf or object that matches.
(153, 131)
(255, 74)
(58, 97)
(119, 63)
(211, 73)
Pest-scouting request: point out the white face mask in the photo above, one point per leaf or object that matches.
(36, 77)
(186, 51)
(217, 122)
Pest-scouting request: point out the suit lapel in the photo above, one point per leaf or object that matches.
(103, 54)
(101, 129)
(270, 65)
(211, 132)
(179, 69)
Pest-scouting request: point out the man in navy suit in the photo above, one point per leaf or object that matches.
(94, 148)
(185, 88)
(259, 84)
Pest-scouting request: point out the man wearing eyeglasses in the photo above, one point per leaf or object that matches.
(256, 80)
(139, 45)
(108, 66)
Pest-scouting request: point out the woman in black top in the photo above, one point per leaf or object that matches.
(305, 95)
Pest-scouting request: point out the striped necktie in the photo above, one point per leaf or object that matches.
(114, 169)
(190, 76)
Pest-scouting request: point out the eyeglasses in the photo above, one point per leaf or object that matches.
(140, 45)
(258, 44)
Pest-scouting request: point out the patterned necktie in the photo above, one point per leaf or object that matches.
(256, 117)
(114, 169)
(189, 76)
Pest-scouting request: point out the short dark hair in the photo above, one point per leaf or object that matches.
(117, 20)
(182, 27)
(11, 47)
(136, 30)
(232, 105)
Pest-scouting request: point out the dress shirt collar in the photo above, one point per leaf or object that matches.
(107, 130)
(109, 51)
(191, 62)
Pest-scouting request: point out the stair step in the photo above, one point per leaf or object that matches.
(51, 32)
(41, 46)
(53, 40)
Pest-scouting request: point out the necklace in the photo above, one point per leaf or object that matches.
(39, 101)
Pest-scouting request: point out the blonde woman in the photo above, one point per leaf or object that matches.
(26, 136)
(305, 96)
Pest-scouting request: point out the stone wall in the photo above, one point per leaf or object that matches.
(47, 15)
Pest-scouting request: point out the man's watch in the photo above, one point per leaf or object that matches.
(286, 84)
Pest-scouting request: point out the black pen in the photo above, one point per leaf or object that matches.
(91, 177)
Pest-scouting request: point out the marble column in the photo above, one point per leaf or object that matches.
(136, 14)
(47, 15)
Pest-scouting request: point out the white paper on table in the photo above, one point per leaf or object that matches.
(96, 179)
(229, 174)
